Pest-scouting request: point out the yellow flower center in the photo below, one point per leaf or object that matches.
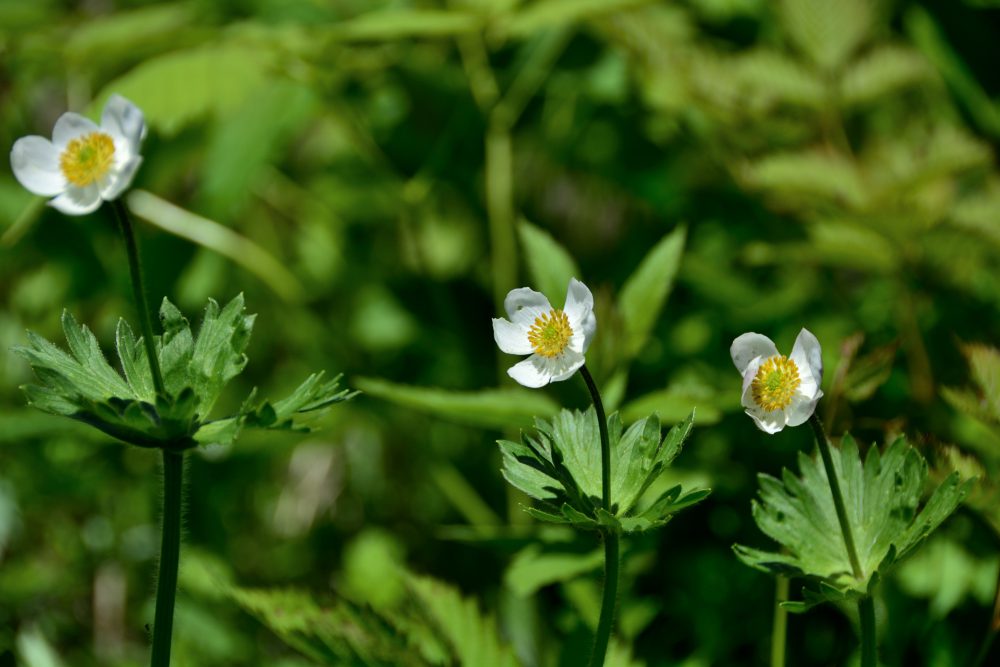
(550, 333)
(775, 383)
(87, 159)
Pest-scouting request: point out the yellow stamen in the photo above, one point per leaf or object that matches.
(775, 383)
(88, 158)
(550, 333)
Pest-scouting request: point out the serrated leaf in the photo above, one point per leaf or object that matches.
(489, 408)
(882, 502)
(644, 293)
(473, 636)
(561, 467)
(549, 264)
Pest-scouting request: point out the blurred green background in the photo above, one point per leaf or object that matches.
(376, 175)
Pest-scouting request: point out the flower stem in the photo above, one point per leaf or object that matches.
(612, 540)
(602, 425)
(170, 546)
(866, 605)
(838, 499)
(139, 292)
(780, 628)
(866, 614)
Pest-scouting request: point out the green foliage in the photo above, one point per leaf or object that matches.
(560, 465)
(549, 265)
(882, 497)
(491, 408)
(83, 386)
(643, 295)
(439, 626)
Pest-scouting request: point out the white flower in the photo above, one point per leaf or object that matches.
(555, 339)
(84, 164)
(778, 391)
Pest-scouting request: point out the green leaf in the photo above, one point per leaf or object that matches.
(549, 13)
(82, 385)
(644, 293)
(982, 401)
(246, 141)
(473, 637)
(125, 34)
(560, 466)
(827, 32)
(549, 264)
(218, 238)
(183, 87)
(800, 178)
(882, 499)
(869, 372)
(768, 78)
(672, 405)
(883, 71)
(489, 408)
(405, 23)
(532, 568)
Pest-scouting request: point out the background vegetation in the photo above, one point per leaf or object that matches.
(376, 175)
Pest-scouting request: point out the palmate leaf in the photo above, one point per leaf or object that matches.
(560, 465)
(882, 497)
(81, 384)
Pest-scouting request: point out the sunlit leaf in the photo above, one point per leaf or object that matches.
(549, 264)
(643, 295)
(490, 408)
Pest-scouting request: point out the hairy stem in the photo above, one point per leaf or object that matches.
(139, 292)
(612, 541)
(170, 547)
(779, 629)
(838, 498)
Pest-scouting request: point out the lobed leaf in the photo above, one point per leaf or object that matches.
(882, 502)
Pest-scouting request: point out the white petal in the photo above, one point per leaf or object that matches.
(748, 346)
(582, 337)
(748, 375)
(35, 162)
(808, 356)
(802, 408)
(120, 181)
(70, 126)
(124, 118)
(579, 303)
(769, 422)
(511, 338)
(565, 365)
(533, 372)
(524, 305)
(78, 201)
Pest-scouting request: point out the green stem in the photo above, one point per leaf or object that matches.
(170, 547)
(866, 614)
(139, 292)
(780, 628)
(838, 499)
(612, 541)
(612, 561)
(602, 425)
